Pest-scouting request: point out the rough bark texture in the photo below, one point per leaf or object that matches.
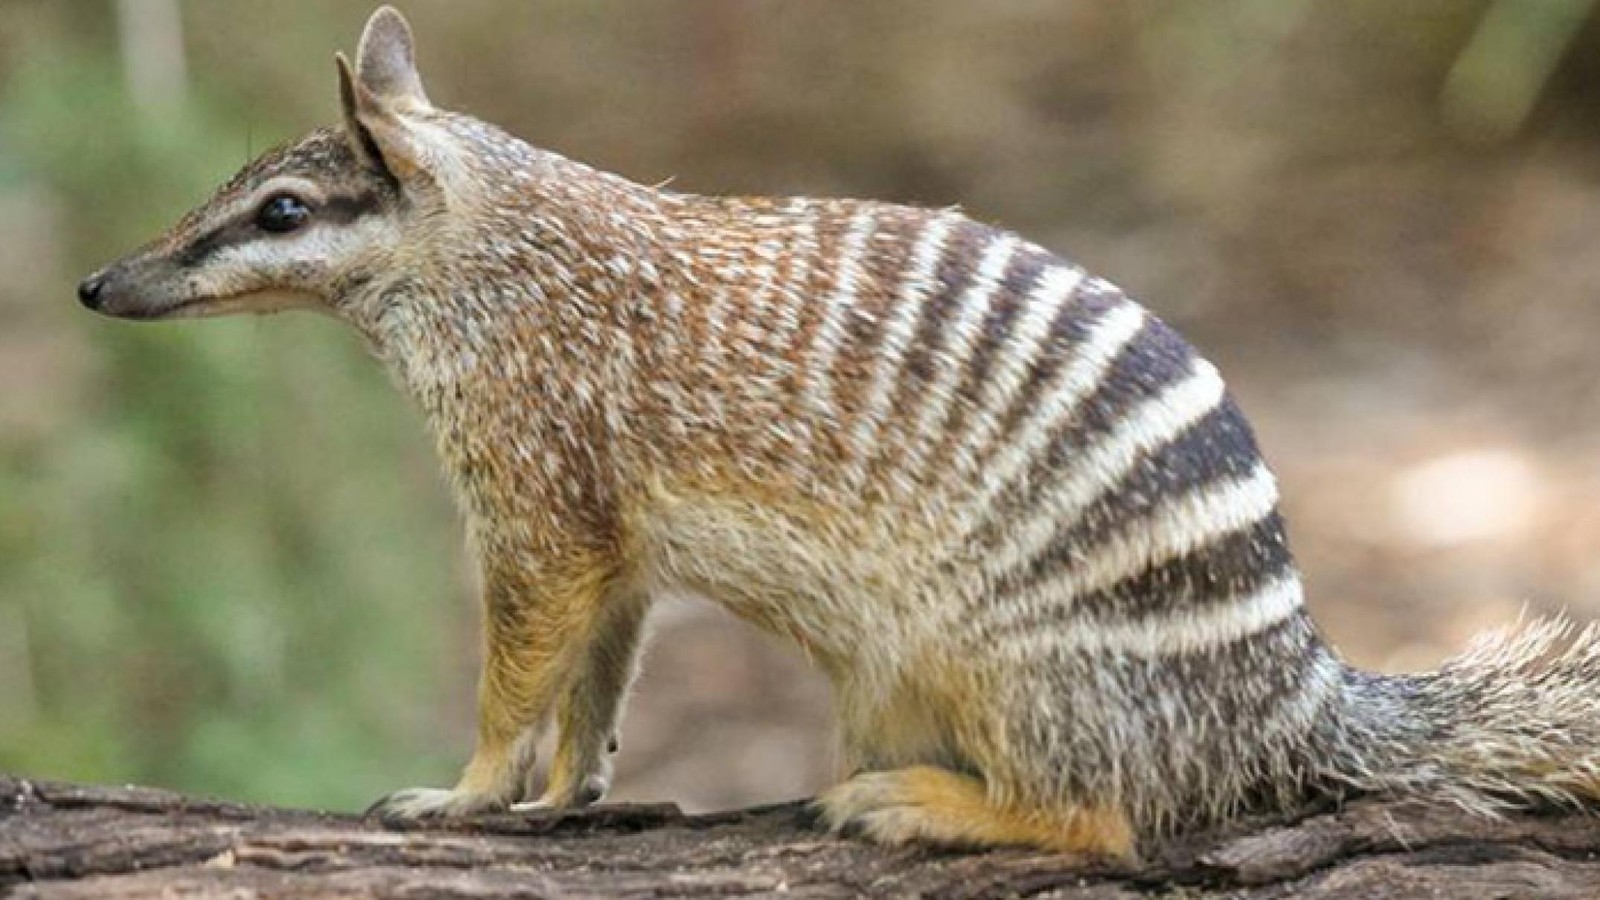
(59, 840)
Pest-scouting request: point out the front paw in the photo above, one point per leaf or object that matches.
(586, 792)
(413, 804)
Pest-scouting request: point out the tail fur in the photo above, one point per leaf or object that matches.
(1513, 722)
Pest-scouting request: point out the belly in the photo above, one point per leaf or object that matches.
(845, 588)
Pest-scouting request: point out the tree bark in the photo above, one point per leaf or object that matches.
(61, 840)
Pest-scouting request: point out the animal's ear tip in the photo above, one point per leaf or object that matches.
(387, 22)
(386, 60)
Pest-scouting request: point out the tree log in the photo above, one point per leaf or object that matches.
(61, 840)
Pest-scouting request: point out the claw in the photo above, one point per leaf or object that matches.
(594, 787)
(588, 793)
(414, 804)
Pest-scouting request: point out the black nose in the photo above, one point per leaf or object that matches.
(89, 290)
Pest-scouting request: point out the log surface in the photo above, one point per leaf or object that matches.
(61, 840)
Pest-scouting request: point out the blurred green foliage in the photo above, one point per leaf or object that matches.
(236, 501)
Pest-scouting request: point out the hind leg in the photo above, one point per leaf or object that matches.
(927, 803)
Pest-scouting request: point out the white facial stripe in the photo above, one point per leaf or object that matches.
(303, 188)
(244, 266)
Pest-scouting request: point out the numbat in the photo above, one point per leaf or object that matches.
(1014, 517)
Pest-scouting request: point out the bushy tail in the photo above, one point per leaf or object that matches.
(1512, 722)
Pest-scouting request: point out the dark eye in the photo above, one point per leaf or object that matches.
(281, 213)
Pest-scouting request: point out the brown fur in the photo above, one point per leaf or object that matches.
(1014, 518)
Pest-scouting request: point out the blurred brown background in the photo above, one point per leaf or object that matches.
(227, 562)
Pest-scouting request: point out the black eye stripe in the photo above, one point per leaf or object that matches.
(343, 208)
(339, 209)
(210, 242)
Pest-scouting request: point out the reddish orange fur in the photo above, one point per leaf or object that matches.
(934, 804)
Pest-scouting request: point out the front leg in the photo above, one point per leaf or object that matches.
(586, 714)
(536, 625)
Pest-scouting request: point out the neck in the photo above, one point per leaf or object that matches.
(524, 324)
(538, 271)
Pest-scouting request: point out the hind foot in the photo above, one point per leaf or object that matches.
(929, 804)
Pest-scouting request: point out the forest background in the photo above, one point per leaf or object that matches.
(228, 563)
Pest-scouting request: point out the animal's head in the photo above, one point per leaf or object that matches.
(313, 223)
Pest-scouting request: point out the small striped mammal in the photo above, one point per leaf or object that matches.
(1016, 520)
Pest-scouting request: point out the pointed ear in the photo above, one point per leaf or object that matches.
(386, 62)
(379, 94)
(360, 140)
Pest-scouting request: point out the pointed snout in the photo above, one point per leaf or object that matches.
(90, 290)
(149, 286)
(136, 287)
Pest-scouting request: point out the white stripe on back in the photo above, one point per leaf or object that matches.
(1196, 628)
(793, 290)
(1015, 360)
(1180, 526)
(756, 316)
(791, 297)
(1186, 631)
(1101, 466)
(816, 367)
(952, 357)
(916, 286)
(1070, 384)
